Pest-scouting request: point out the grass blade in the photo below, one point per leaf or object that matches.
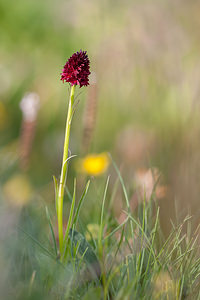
(125, 195)
(102, 212)
(80, 203)
(69, 224)
(46, 251)
(52, 232)
(56, 192)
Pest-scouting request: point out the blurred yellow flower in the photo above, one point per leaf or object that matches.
(94, 164)
(93, 232)
(17, 190)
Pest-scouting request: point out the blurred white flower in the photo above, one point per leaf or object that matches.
(29, 105)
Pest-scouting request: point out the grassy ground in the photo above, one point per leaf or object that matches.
(106, 260)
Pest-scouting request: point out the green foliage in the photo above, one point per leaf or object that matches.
(139, 264)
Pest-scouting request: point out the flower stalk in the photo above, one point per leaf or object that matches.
(75, 72)
(64, 169)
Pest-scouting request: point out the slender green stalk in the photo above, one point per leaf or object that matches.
(64, 169)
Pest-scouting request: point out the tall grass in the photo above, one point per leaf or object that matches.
(131, 260)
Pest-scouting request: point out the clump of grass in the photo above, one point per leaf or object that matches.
(131, 260)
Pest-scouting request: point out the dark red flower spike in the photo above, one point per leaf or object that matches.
(77, 69)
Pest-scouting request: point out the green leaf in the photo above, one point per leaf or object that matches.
(86, 251)
(69, 224)
(52, 232)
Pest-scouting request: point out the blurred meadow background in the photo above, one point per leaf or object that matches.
(142, 107)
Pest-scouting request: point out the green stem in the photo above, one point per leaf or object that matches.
(64, 169)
